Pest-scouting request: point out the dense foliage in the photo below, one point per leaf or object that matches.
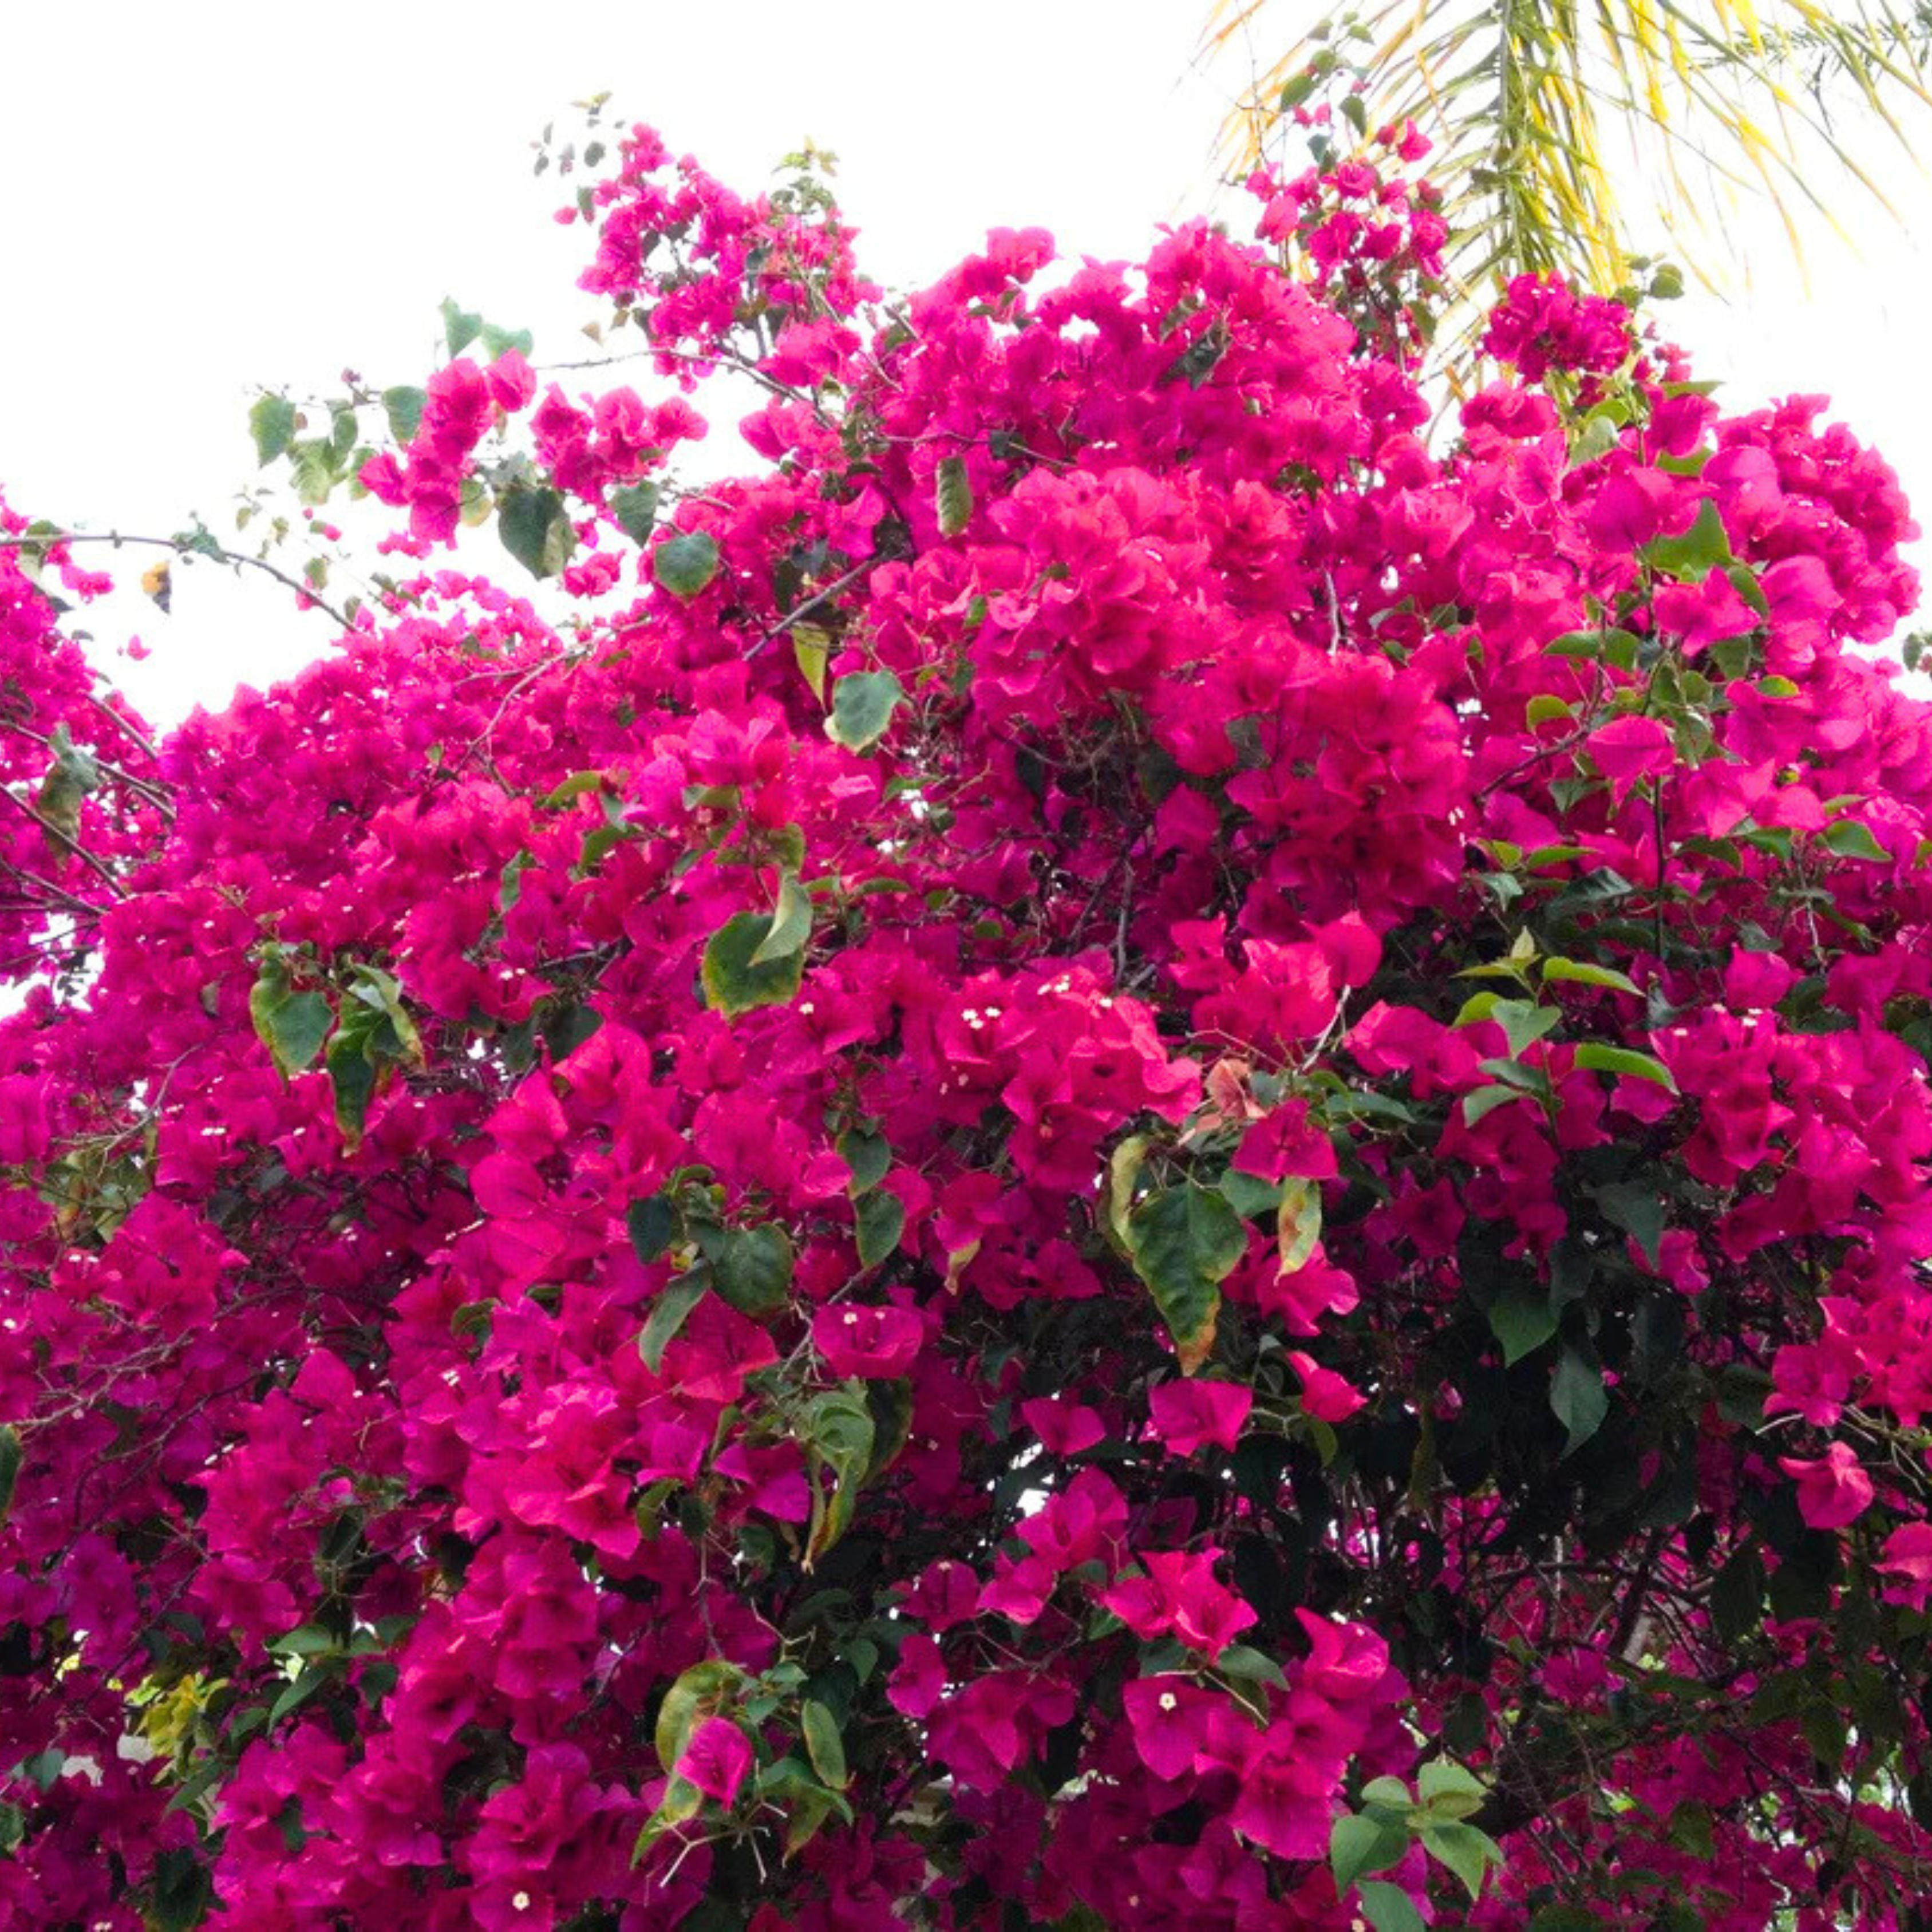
(1141, 1147)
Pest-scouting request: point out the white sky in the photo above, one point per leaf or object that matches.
(206, 196)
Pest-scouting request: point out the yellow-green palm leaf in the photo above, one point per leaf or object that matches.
(1521, 96)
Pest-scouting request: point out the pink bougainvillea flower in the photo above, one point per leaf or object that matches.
(919, 1680)
(1326, 1395)
(874, 1342)
(717, 1760)
(1178, 1591)
(1629, 749)
(1908, 1557)
(1832, 1490)
(1187, 1415)
(1065, 1428)
(1168, 1717)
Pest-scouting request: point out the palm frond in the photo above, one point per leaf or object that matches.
(1522, 98)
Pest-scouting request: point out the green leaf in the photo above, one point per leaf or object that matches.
(404, 406)
(1524, 1023)
(791, 924)
(1249, 1195)
(635, 507)
(292, 1026)
(1485, 1100)
(1849, 838)
(314, 470)
(1581, 973)
(752, 1267)
(500, 341)
(572, 788)
(686, 564)
(360, 1052)
(953, 493)
(1359, 1843)
(1638, 1211)
(305, 1640)
(1298, 1223)
(1597, 439)
(1615, 645)
(667, 1315)
(1388, 1908)
(1184, 1240)
(880, 1220)
(699, 1693)
(811, 648)
(823, 1743)
(312, 1677)
(1202, 356)
(1467, 1852)
(1744, 582)
(1446, 1790)
(74, 775)
(1123, 1174)
(1247, 1665)
(10, 1468)
(460, 327)
(1578, 1398)
(807, 1812)
(1514, 1073)
(1691, 557)
(352, 1076)
(863, 704)
(868, 1155)
(392, 1036)
(1522, 1322)
(736, 981)
(535, 529)
(838, 1437)
(272, 422)
(1623, 1060)
(1692, 1827)
(1737, 1595)
(653, 1224)
(681, 1802)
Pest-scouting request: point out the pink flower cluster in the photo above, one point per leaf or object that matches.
(1153, 1142)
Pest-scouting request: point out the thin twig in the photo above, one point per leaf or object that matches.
(127, 730)
(812, 602)
(66, 898)
(159, 800)
(53, 831)
(182, 547)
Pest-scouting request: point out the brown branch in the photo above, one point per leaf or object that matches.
(158, 800)
(53, 831)
(67, 899)
(127, 730)
(180, 547)
(812, 602)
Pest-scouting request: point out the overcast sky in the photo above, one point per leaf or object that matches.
(204, 198)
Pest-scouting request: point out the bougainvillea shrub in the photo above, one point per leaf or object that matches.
(1143, 1145)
